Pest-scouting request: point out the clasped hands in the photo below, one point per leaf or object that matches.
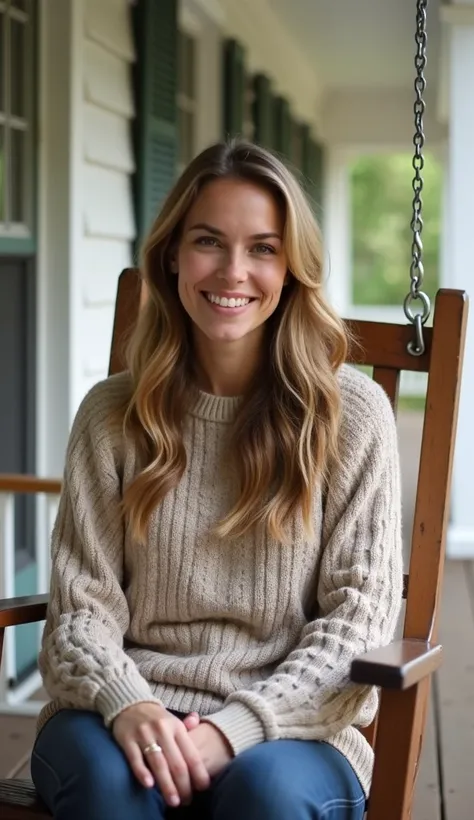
(187, 753)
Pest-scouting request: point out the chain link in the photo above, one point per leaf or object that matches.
(416, 294)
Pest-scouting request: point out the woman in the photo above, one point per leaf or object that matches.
(228, 536)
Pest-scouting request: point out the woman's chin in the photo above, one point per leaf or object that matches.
(227, 335)
(224, 333)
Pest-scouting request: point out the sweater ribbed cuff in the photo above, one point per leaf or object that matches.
(118, 694)
(239, 724)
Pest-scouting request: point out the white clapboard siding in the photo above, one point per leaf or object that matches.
(107, 139)
(108, 164)
(108, 80)
(108, 210)
(103, 261)
(108, 23)
(95, 347)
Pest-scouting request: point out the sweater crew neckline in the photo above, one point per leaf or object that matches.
(209, 407)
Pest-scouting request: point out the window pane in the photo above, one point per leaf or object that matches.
(2, 64)
(2, 174)
(18, 58)
(18, 176)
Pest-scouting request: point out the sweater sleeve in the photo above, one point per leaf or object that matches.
(309, 696)
(82, 659)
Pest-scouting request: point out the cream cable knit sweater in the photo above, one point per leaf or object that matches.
(257, 637)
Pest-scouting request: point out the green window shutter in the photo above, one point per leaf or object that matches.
(316, 175)
(156, 37)
(305, 151)
(296, 140)
(282, 119)
(312, 167)
(263, 111)
(233, 88)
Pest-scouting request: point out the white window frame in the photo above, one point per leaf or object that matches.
(18, 230)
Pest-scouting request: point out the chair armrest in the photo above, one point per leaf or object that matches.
(20, 483)
(25, 610)
(399, 665)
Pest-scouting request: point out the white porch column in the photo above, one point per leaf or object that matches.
(337, 231)
(60, 217)
(458, 259)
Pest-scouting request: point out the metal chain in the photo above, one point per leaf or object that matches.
(416, 294)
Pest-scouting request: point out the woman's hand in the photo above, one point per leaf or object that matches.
(212, 746)
(178, 768)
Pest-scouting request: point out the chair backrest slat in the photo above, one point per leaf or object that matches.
(434, 478)
(127, 306)
(381, 344)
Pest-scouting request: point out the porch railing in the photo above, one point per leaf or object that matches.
(14, 698)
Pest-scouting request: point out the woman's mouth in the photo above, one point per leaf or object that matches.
(230, 303)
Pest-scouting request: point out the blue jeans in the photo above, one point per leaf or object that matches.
(81, 774)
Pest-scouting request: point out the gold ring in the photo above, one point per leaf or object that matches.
(152, 748)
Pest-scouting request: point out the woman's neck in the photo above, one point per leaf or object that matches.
(227, 369)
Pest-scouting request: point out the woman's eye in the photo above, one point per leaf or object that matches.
(207, 241)
(264, 249)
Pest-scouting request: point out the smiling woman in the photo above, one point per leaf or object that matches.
(228, 538)
(231, 265)
(262, 236)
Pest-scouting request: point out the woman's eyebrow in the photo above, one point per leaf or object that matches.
(204, 226)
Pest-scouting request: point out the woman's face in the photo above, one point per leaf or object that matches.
(231, 262)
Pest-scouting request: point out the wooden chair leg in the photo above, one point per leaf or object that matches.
(397, 751)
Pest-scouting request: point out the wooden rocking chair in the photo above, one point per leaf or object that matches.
(404, 668)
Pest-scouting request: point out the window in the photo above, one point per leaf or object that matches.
(187, 98)
(16, 118)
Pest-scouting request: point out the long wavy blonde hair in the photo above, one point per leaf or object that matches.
(286, 430)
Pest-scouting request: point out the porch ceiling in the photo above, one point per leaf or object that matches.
(361, 43)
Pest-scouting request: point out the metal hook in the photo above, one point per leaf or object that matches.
(417, 348)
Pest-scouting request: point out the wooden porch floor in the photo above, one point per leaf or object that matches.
(445, 787)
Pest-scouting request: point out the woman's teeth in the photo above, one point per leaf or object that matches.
(223, 301)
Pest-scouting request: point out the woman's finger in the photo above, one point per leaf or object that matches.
(159, 768)
(177, 768)
(139, 768)
(198, 773)
(154, 762)
(191, 721)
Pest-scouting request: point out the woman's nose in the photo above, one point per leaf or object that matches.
(234, 269)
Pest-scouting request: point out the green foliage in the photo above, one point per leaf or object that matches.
(412, 403)
(381, 188)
